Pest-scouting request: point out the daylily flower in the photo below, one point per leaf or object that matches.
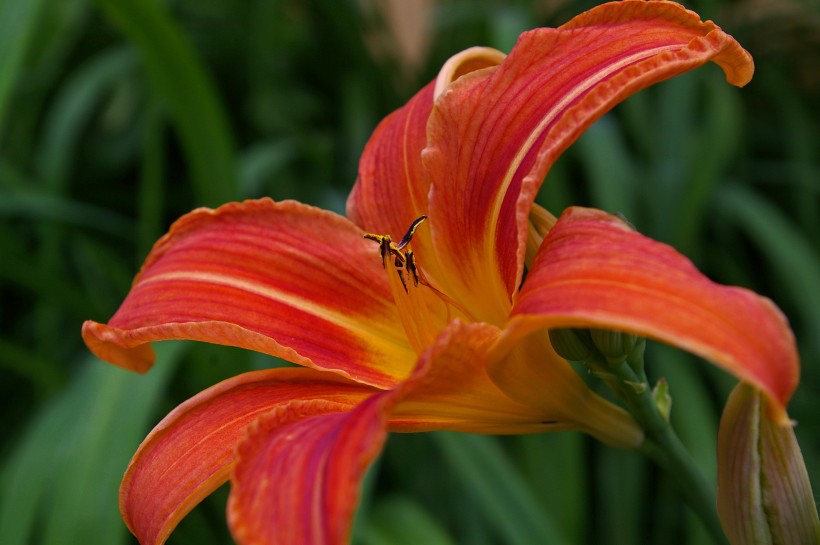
(444, 331)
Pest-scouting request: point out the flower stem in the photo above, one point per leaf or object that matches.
(629, 383)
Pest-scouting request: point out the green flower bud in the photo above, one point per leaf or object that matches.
(572, 344)
(614, 345)
(764, 494)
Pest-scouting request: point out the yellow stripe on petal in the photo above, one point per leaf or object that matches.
(494, 134)
(284, 279)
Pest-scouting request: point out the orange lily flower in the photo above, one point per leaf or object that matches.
(446, 336)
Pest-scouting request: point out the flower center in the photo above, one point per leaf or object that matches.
(423, 309)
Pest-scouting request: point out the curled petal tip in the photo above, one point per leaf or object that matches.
(109, 345)
(469, 60)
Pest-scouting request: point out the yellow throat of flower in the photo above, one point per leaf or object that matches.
(424, 310)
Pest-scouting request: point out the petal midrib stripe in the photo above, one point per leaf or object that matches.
(375, 329)
(553, 113)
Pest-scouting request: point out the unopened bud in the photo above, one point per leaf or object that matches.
(764, 494)
(614, 345)
(572, 344)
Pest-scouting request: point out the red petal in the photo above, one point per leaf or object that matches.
(391, 190)
(298, 475)
(280, 278)
(392, 187)
(593, 271)
(494, 135)
(191, 452)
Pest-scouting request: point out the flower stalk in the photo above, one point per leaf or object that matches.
(618, 359)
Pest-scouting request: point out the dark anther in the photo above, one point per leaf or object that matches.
(405, 240)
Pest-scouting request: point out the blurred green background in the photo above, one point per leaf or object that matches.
(118, 116)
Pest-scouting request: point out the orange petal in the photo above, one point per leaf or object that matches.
(528, 370)
(191, 451)
(456, 393)
(298, 475)
(392, 187)
(493, 135)
(594, 271)
(285, 279)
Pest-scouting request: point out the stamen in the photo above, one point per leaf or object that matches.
(411, 267)
(406, 262)
(405, 240)
(421, 323)
(402, 260)
(401, 277)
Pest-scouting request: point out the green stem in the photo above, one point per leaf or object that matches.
(662, 444)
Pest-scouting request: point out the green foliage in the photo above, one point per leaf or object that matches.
(116, 117)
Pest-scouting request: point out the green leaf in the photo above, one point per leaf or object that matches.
(487, 474)
(791, 256)
(18, 19)
(557, 462)
(612, 174)
(398, 520)
(71, 111)
(188, 92)
(61, 481)
(714, 147)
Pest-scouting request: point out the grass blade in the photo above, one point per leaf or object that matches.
(18, 19)
(188, 92)
(60, 483)
(486, 473)
(398, 520)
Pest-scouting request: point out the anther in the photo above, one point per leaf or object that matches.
(402, 261)
(411, 267)
(405, 240)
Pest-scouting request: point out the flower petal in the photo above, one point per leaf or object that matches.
(530, 371)
(457, 394)
(594, 271)
(283, 278)
(392, 187)
(191, 451)
(298, 475)
(493, 135)
(764, 493)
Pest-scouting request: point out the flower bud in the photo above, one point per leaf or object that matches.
(614, 345)
(572, 344)
(764, 494)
